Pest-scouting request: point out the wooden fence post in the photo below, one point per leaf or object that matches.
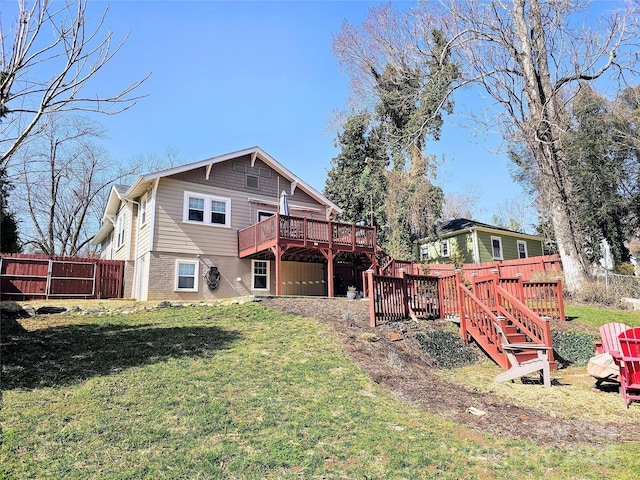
(405, 293)
(441, 286)
(560, 298)
(547, 336)
(461, 312)
(372, 299)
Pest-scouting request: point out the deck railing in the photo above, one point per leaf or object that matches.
(305, 232)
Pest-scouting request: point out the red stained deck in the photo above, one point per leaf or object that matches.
(287, 231)
(300, 238)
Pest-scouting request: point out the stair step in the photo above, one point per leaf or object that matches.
(517, 338)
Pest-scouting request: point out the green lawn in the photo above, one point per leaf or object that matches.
(599, 316)
(237, 392)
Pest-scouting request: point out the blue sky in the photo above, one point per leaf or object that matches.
(230, 75)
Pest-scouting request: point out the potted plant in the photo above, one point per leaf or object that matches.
(352, 294)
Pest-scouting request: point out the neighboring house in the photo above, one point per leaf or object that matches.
(478, 243)
(179, 231)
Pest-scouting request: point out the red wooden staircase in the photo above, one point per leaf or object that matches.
(488, 304)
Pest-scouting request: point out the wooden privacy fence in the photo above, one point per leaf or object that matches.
(523, 267)
(24, 277)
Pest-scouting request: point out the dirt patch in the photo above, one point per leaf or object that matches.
(392, 357)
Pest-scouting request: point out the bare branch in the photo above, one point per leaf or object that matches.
(40, 76)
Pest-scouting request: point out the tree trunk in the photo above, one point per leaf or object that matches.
(543, 133)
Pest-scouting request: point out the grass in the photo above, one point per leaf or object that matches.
(597, 317)
(236, 392)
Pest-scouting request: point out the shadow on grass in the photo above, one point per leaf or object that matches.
(64, 355)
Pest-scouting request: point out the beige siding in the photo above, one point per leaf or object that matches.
(123, 252)
(172, 234)
(144, 231)
(301, 278)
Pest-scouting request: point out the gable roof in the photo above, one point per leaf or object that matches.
(143, 181)
(459, 225)
(120, 193)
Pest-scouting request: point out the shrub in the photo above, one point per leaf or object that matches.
(625, 268)
(572, 348)
(446, 348)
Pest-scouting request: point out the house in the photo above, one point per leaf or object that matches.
(478, 242)
(212, 229)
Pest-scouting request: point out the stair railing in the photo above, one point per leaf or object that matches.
(477, 321)
(536, 328)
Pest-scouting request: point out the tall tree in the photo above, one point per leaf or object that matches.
(529, 56)
(357, 181)
(597, 166)
(64, 178)
(408, 94)
(48, 57)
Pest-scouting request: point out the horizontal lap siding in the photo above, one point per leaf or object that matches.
(122, 253)
(509, 247)
(173, 235)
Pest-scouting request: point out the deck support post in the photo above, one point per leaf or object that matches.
(329, 255)
(277, 251)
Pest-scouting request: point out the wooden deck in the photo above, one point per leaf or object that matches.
(288, 232)
(288, 238)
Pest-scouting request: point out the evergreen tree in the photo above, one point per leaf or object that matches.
(8, 225)
(597, 166)
(356, 181)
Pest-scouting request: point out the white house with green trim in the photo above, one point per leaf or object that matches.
(478, 243)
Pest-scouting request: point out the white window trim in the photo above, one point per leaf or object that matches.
(144, 212)
(207, 209)
(121, 226)
(253, 274)
(526, 251)
(425, 252)
(445, 242)
(499, 239)
(258, 212)
(195, 274)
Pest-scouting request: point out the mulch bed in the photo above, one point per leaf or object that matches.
(396, 362)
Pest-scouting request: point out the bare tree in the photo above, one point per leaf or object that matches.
(515, 213)
(48, 57)
(529, 56)
(63, 183)
(461, 204)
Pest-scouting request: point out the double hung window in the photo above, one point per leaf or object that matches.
(207, 209)
(496, 248)
(187, 275)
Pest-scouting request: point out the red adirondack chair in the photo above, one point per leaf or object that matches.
(610, 342)
(630, 365)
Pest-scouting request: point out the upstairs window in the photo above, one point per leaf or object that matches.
(207, 209)
(424, 252)
(196, 209)
(444, 248)
(522, 249)
(121, 229)
(496, 248)
(143, 210)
